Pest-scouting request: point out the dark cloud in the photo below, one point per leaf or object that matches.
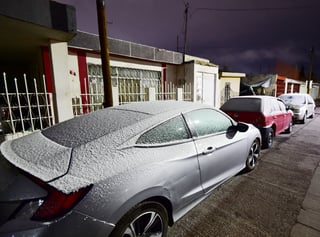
(248, 35)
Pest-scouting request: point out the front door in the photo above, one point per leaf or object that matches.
(205, 88)
(221, 150)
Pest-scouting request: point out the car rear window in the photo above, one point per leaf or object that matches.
(80, 130)
(243, 104)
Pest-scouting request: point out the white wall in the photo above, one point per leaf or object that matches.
(234, 86)
(206, 87)
(63, 97)
(74, 75)
(115, 62)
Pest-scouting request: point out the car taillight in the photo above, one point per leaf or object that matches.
(57, 203)
(260, 121)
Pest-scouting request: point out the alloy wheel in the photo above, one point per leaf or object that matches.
(147, 224)
(253, 156)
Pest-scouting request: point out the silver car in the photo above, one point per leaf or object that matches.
(130, 170)
(302, 105)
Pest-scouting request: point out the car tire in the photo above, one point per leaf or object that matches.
(253, 155)
(145, 219)
(304, 120)
(269, 139)
(289, 129)
(312, 115)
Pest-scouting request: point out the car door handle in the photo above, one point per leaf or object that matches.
(209, 150)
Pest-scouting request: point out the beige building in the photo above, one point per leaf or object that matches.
(229, 85)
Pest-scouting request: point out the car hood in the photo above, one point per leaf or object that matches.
(295, 106)
(38, 156)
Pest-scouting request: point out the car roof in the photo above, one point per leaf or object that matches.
(158, 107)
(253, 97)
(83, 129)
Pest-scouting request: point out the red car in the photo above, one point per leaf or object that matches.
(267, 113)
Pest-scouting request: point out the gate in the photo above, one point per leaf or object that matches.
(25, 107)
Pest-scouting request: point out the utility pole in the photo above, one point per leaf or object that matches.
(186, 11)
(310, 69)
(104, 49)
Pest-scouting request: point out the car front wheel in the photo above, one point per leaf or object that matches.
(145, 219)
(253, 155)
(304, 120)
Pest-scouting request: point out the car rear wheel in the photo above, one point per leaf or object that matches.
(289, 129)
(312, 115)
(269, 139)
(253, 155)
(145, 219)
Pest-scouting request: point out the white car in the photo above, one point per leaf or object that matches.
(129, 170)
(302, 105)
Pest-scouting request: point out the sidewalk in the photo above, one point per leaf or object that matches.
(308, 221)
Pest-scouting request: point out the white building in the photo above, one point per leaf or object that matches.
(52, 73)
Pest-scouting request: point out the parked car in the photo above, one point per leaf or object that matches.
(302, 105)
(129, 170)
(267, 113)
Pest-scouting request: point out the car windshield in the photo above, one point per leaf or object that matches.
(243, 104)
(294, 99)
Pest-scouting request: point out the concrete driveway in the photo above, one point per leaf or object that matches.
(281, 197)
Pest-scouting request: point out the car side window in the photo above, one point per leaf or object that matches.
(310, 100)
(267, 107)
(282, 106)
(169, 131)
(208, 121)
(275, 105)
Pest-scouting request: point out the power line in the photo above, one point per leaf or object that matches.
(258, 9)
(254, 9)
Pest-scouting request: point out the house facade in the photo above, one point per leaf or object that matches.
(229, 85)
(51, 72)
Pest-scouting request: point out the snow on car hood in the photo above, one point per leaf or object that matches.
(38, 156)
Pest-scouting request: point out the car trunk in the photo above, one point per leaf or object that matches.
(16, 189)
(27, 165)
(37, 155)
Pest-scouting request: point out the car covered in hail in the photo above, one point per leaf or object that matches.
(269, 114)
(302, 105)
(129, 170)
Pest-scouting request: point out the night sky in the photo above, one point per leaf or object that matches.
(246, 36)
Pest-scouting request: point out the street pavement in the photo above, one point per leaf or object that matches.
(308, 220)
(281, 197)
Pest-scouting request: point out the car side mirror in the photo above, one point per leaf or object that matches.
(242, 127)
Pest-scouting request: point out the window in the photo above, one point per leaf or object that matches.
(170, 131)
(243, 105)
(227, 91)
(310, 100)
(208, 121)
(282, 106)
(275, 105)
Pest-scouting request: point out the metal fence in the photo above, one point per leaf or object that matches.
(127, 92)
(24, 109)
(88, 102)
(131, 91)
